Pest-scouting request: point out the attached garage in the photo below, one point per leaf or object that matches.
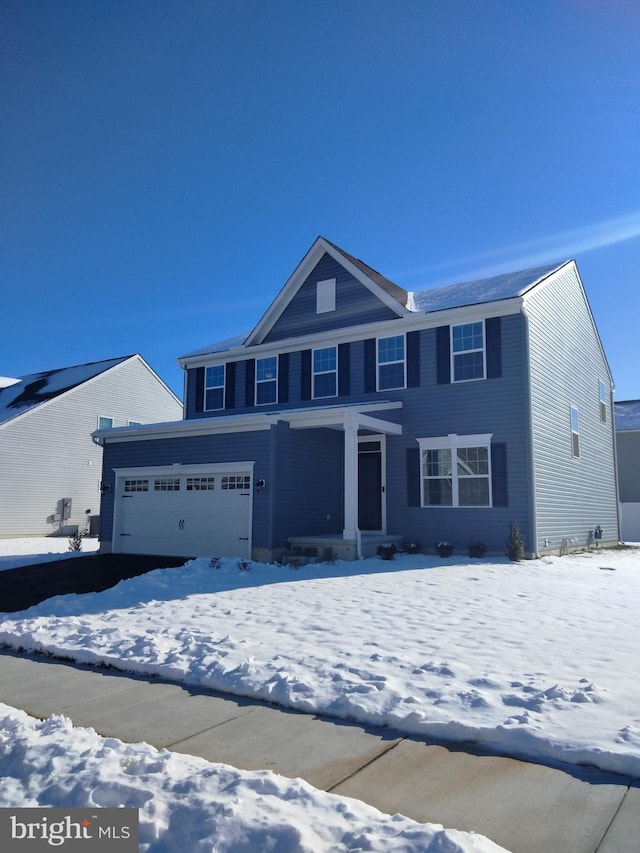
(184, 510)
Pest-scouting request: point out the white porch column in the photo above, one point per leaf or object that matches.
(350, 477)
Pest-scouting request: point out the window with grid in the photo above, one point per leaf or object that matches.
(200, 484)
(391, 363)
(236, 481)
(136, 485)
(214, 387)
(456, 471)
(467, 352)
(104, 422)
(325, 372)
(266, 380)
(166, 484)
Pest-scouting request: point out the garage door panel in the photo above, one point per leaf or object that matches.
(185, 516)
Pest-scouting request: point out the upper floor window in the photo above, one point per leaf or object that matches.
(456, 470)
(105, 422)
(391, 363)
(325, 372)
(603, 402)
(467, 351)
(266, 380)
(575, 432)
(214, 387)
(325, 296)
(134, 423)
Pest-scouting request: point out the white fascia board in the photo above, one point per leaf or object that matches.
(185, 428)
(300, 275)
(178, 469)
(335, 416)
(348, 334)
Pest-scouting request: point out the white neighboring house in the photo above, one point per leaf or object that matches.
(50, 466)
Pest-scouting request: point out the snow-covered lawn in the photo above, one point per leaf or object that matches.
(536, 659)
(22, 552)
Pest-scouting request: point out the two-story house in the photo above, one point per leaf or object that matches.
(356, 412)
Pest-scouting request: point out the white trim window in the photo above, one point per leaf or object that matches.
(575, 433)
(392, 365)
(214, 387)
(467, 352)
(456, 471)
(602, 389)
(105, 422)
(325, 372)
(267, 380)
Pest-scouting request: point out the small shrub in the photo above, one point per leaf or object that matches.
(412, 547)
(515, 544)
(444, 549)
(215, 562)
(387, 551)
(477, 549)
(244, 565)
(75, 541)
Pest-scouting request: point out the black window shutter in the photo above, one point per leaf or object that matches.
(305, 374)
(413, 359)
(370, 383)
(344, 370)
(443, 355)
(199, 389)
(499, 485)
(494, 347)
(250, 382)
(283, 377)
(413, 476)
(230, 385)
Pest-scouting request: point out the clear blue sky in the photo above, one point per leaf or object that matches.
(167, 163)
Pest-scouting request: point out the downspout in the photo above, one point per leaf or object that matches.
(533, 512)
(615, 457)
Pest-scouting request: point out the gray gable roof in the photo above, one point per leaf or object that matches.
(37, 388)
(627, 415)
(386, 284)
(506, 286)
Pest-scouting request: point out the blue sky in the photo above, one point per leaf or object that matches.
(167, 163)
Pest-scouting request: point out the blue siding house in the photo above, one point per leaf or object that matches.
(356, 413)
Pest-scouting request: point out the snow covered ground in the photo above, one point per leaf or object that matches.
(22, 552)
(535, 659)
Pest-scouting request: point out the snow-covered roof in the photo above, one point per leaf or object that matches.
(627, 414)
(36, 388)
(507, 286)
(220, 346)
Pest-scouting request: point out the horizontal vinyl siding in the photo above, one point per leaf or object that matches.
(628, 443)
(49, 454)
(355, 304)
(497, 406)
(572, 495)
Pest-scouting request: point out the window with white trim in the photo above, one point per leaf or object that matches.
(392, 368)
(575, 432)
(456, 471)
(200, 484)
(136, 486)
(325, 296)
(236, 481)
(105, 422)
(166, 484)
(467, 352)
(325, 372)
(134, 423)
(266, 380)
(214, 387)
(603, 402)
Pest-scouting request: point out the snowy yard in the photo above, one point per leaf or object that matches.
(537, 659)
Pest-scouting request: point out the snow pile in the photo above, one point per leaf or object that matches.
(24, 552)
(535, 659)
(187, 803)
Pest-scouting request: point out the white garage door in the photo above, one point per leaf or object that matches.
(187, 515)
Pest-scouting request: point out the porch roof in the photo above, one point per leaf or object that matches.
(358, 415)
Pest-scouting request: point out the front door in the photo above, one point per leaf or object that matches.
(370, 485)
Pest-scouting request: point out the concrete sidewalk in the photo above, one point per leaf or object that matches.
(526, 808)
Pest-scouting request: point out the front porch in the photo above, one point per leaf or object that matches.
(336, 546)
